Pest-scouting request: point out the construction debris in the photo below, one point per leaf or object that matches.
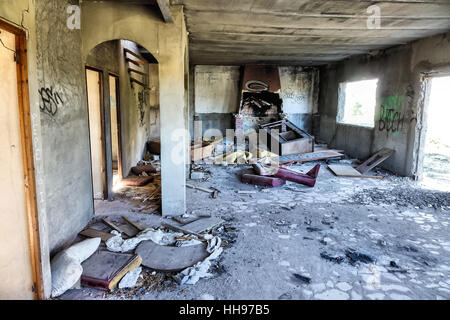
(198, 226)
(201, 151)
(130, 279)
(118, 244)
(212, 192)
(92, 233)
(291, 139)
(302, 279)
(170, 258)
(66, 266)
(130, 232)
(313, 156)
(104, 269)
(262, 180)
(192, 274)
(154, 146)
(197, 175)
(308, 179)
(266, 170)
(136, 181)
(140, 169)
(374, 160)
(343, 170)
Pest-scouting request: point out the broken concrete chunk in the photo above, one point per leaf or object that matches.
(197, 175)
(130, 279)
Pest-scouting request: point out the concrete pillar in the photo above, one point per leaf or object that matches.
(173, 137)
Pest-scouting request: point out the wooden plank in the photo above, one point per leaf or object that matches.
(140, 83)
(92, 233)
(344, 170)
(137, 63)
(165, 10)
(138, 72)
(135, 55)
(185, 220)
(179, 229)
(211, 191)
(121, 229)
(348, 171)
(375, 160)
(202, 225)
(168, 258)
(134, 224)
(311, 156)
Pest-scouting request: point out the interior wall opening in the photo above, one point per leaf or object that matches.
(128, 96)
(95, 106)
(436, 159)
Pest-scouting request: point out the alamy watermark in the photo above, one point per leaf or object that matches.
(374, 20)
(74, 19)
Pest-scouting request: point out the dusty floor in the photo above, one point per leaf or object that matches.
(280, 235)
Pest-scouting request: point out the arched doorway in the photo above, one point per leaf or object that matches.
(122, 83)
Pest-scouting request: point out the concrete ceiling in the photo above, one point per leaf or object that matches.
(306, 32)
(301, 32)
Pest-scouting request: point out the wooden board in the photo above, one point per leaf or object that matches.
(345, 170)
(135, 181)
(184, 221)
(202, 225)
(104, 269)
(126, 229)
(312, 156)
(197, 227)
(92, 233)
(134, 224)
(374, 160)
(170, 259)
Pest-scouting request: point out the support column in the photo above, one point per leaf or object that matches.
(173, 136)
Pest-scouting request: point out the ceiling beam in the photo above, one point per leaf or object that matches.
(165, 10)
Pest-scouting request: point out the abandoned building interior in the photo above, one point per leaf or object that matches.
(196, 149)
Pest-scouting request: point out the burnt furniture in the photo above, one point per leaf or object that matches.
(291, 139)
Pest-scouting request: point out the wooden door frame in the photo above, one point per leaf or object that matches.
(119, 125)
(28, 158)
(102, 129)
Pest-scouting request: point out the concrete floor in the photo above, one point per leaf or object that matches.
(280, 232)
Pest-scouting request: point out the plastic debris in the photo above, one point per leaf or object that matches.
(193, 274)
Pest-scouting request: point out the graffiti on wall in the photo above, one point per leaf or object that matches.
(143, 101)
(391, 115)
(50, 101)
(395, 111)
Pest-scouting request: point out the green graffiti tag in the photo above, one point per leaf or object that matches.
(391, 117)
